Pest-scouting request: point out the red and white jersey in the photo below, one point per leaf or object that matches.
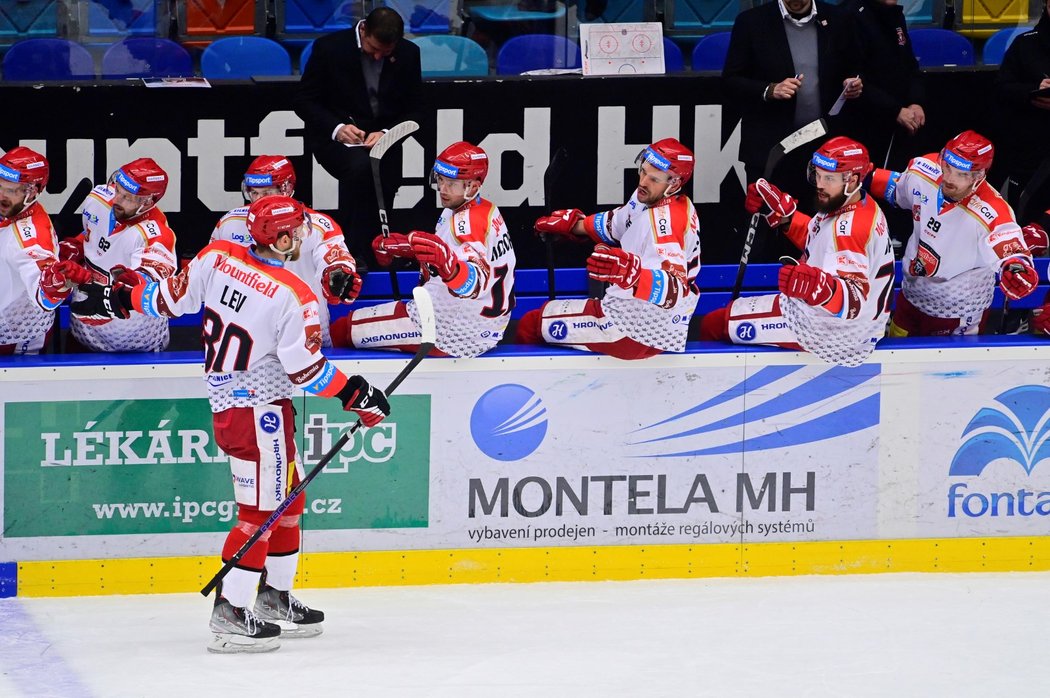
(145, 244)
(322, 246)
(27, 243)
(666, 238)
(853, 244)
(956, 248)
(471, 320)
(261, 333)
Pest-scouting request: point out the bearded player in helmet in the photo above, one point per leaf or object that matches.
(126, 238)
(647, 250)
(834, 301)
(964, 235)
(33, 282)
(262, 343)
(467, 263)
(323, 261)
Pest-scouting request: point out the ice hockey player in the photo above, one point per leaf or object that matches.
(834, 301)
(324, 262)
(262, 343)
(467, 264)
(647, 250)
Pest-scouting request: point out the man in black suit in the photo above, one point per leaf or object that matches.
(788, 62)
(358, 83)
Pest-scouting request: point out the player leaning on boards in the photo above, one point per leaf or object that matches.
(126, 238)
(262, 342)
(467, 265)
(648, 250)
(834, 302)
(324, 262)
(32, 280)
(964, 234)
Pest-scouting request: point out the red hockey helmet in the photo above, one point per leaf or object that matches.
(841, 154)
(23, 165)
(670, 156)
(462, 160)
(270, 216)
(270, 171)
(142, 177)
(969, 152)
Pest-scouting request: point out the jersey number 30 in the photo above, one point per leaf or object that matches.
(218, 337)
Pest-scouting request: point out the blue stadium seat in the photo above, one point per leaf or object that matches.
(995, 47)
(450, 55)
(423, 16)
(710, 52)
(304, 57)
(315, 16)
(697, 17)
(940, 47)
(48, 59)
(146, 58)
(511, 13)
(536, 52)
(28, 20)
(240, 57)
(674, 61)
(108, 19)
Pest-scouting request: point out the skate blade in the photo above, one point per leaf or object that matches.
(228, 643)
(290, 630)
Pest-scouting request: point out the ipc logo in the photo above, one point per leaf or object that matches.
(508, 422)
(745, 332)
(270, 422)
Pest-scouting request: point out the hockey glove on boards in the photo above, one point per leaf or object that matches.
(1035, 239)
(58, 278)
(561, 223)
(809, 284)
(340, 283)
(387, 249)
(615, 266)
(432, 250)
(773, 204)
(110, 302)
(1018, 279)
(368, 401)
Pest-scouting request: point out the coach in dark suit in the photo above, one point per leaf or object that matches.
(359, 82)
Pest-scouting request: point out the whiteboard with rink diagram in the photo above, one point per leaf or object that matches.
(622, 49)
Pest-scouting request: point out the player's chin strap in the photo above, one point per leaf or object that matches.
(26, 201)
(671, 189)
(846, 190)
(142, 211)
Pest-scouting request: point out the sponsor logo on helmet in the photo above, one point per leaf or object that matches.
(656, 160)
(34, 165)
(853, 151)
(126, 182)
(258, 180)
(9, 174)
(155, 178)
(479, 156)
(825, 163)
(282, 210)
(957, 162)
(445, 169)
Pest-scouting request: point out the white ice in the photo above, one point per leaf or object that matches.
(862, 635)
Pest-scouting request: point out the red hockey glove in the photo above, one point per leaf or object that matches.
(71, 249)
(1035, 239)
(1018, 279)
(432, 250)
(104, 302)
(1041, 319)
(58, 278)
(809, 284)
(128, 277)
(368, 401)
(615, 266)
(388, 248)
(340, 283)
(561, 223)
(774, 204)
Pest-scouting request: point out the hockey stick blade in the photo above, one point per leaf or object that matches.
(428, 331)
(391, 138)
(809, 132)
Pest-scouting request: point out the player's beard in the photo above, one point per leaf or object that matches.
(833, 203)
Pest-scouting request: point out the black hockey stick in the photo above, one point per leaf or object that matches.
(1033, 185)
(428, 331)
(550, 176)
(385, 143)
(807, 133)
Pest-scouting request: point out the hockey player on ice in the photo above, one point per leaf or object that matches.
(33, 282)
(324, 262)
(964, 235)
(647, 250)
(467, 264)
(262, 342)
(834, 301)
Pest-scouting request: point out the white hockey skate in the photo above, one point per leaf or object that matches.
(288, 612)
(238, 630)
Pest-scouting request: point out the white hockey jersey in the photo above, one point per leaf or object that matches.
(261, 333)
(956, 248)
(853, 244)
(145, 244)
(322, 246)
(472, 320)
(27, 243)
(666, 238)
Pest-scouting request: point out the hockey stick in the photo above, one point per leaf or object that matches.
(1033, 185)
(428, 331)
(387, 141)
(551, 175)
(807, 133)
